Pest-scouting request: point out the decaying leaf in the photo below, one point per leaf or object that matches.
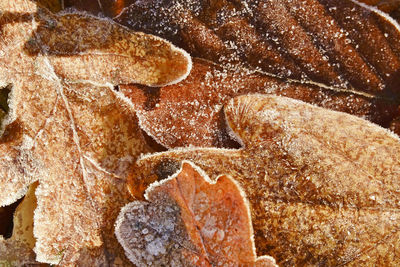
(68, 129)
(189, 113)
(323, 186)
(188, 220)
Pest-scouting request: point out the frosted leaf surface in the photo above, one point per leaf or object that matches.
(322, 183)
(189, 113)
(188, 220)
(68, 129)
(340, 45)
(313, 40)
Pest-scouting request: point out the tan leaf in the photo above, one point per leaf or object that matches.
(190, 220)
(68, 129)
(323, 186)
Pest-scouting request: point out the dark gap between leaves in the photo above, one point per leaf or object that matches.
(152, 143)
(7, 218)
(224, 139)
(4, 95)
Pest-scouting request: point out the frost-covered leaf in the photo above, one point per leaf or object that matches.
(68, 129)
(188, 220)
(189, 113)
(323, 186)
(346, 55)
(327, 41)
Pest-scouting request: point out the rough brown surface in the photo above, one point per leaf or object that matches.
(323, 186)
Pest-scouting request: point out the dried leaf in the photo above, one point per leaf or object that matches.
(344, 56)
(189, 113)
(68, 129)
(323, 186)
(188, 220)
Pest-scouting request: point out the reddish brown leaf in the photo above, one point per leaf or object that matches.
(189, 113)
(323, 186)
(330, 45)
(190, 221)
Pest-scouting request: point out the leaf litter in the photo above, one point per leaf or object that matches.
(339, 55)
(322, 185)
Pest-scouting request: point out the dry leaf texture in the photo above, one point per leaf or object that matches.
(68, 129)
(320, 41)
(347, 53)
(188, 220)
(323, 186)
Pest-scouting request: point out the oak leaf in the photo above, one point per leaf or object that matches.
(189, 220)
(323, 186)
(67, 128)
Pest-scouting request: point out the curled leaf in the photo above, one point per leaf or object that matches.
(323, 186)
(190, 220)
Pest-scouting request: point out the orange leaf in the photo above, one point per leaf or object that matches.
(189, 219)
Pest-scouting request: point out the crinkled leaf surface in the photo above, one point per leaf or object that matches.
(68, 129)
(188, 220)
(344, 56)
(323, 186)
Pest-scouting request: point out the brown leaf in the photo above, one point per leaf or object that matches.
(68, 129)
(318, 40)
(189, 113)
(336, 54)
(188, 220)
(389, 6)
(323, 186)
